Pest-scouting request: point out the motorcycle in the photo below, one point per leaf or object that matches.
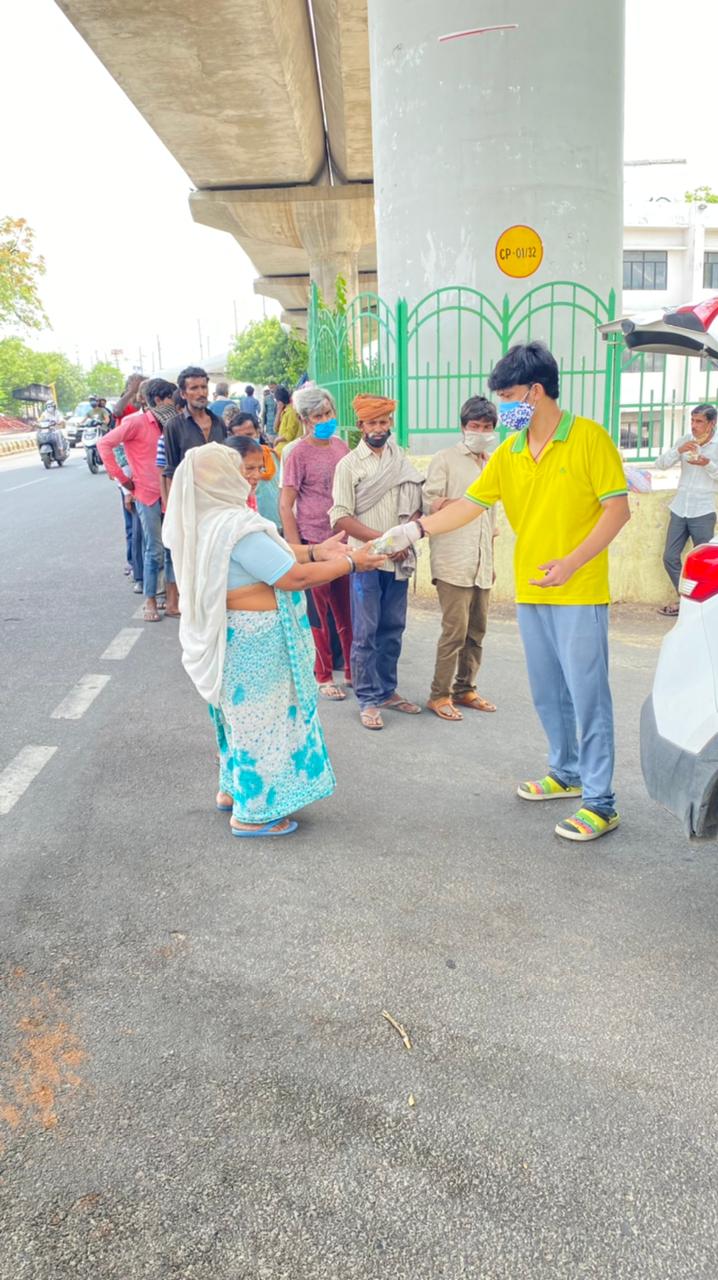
(90, 436)
(52, 445)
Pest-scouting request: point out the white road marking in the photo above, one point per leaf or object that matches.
(16, 778)
(123, 642)
(13, 487)
(79, 698)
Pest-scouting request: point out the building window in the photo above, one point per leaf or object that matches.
(643, 361)
(710, 271)
(645, 269)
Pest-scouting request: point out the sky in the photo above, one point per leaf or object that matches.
(126, 264)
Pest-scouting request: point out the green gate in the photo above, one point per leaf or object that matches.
(432, 357)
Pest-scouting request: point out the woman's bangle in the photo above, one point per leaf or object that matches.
(352, 563)
(311, 554)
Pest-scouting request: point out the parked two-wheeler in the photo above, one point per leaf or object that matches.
(52, 445)
(90, 436)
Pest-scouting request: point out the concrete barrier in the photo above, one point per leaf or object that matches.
(637, 575)
(17, 444)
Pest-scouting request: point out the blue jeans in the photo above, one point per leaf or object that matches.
(378, 604)
(127, 517)
(156, 555)
(567, 658)
(137, 546)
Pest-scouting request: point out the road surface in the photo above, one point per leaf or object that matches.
(196, 1080)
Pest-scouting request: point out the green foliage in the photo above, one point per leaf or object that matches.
(701, 195)
(19, 272)
(19, 365)
(105, 379)
(263, 352)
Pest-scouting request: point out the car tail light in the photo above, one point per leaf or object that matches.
(699, 579)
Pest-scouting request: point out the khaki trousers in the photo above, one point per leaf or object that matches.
(465, 612)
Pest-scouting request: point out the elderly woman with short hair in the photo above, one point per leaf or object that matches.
(308, 467)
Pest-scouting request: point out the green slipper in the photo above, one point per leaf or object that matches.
(587, 825)
(548, 788)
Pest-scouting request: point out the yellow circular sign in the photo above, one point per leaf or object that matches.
(519, 251)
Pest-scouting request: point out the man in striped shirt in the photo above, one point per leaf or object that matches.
(372, 485)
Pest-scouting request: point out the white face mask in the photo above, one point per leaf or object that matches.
(482, 441)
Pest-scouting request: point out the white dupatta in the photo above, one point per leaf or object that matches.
(207, 514)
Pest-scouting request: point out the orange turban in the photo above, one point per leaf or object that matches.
(369, 408)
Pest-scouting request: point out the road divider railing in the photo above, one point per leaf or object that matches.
(17, 444)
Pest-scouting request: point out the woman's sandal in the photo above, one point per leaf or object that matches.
(332, 692)
(669, 610)
(371, 718)
(474, 701)
(270, 829)
(444, 709)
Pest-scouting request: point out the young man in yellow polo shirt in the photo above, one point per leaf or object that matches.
(563, 488)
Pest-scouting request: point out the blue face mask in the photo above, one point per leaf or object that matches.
(515, 414)
(325, 430)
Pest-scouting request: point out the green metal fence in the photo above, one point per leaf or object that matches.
(432, 356)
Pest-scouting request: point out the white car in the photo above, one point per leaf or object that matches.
(679, 721)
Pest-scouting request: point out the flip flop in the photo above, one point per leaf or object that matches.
(442, 707)
(397, 703)
(151, 615)
(332, 692)
(224, 808)
(371, 718)
(269, 830)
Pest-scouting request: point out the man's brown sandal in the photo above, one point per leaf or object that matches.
(371, 718)
(474, 701)
(444, 709)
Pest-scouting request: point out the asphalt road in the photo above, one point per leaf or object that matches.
(196, 1080)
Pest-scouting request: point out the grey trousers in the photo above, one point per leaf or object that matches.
(680, 528)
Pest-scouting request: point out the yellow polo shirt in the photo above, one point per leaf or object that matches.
(553, 504)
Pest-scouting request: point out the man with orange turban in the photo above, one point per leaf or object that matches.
(372, 485)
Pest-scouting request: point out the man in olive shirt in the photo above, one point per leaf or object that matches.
(195, 425)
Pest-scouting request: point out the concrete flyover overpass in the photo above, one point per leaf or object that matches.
(341, 137)
(266, 105)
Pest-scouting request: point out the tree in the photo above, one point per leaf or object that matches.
(105, 379)
(263, 351)
(701, 195)
(19, 272)
(20, 365)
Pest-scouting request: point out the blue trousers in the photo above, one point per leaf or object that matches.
(138, 550)
(567, 658)
(127, 517)
(378, 605)
(156, 555)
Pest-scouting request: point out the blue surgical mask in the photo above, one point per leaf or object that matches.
(325, 430)
(515, 415)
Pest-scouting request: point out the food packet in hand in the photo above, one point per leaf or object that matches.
(387, 544)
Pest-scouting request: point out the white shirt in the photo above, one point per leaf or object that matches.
(696, 495)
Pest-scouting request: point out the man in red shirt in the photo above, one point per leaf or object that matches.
(139, 433)
(306, 496)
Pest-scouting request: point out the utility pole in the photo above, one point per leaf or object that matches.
(199, 331)
(159, 353)
(141, 354)
(116, 352)
(234, 305)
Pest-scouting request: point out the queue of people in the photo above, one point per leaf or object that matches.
(276, 596)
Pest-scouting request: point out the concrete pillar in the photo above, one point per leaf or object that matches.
(476, 135)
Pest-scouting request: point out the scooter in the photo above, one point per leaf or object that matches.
(52, 445)
(90, 436)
